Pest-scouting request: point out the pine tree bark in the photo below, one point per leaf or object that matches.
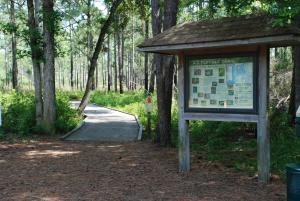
(96, 53)
(14, 46)
(71, 57)
(49, 113)
(152, 79)
(97, 76)
(131, 75)
(77, 77)
(121, 58)
(156, 14)
(164, 78)
(156, 29)
(128, 71)
(108, 64)
(103, 73)
(6, 66)
(36, 56)
(146, 57)
(90, 39)
(115, 63)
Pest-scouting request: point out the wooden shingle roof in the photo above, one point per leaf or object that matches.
(229, 31)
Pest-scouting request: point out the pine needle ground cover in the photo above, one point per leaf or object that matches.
(232, 144)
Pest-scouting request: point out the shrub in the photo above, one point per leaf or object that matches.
(18, 110)
(67, 117)
(112, 99)
(285, 145)
(73, 95)
(131, 102)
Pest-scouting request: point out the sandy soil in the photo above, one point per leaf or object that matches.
(54, 170)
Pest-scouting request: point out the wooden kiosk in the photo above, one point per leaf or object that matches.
(223, 74)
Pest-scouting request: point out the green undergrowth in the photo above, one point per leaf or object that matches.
(131, 102)
(134, 103)
(232, 144)
(18, 114)
(73, 95)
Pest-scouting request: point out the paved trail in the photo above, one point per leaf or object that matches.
(102, 124)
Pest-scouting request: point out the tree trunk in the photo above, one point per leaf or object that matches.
(36, 54)
(102, 73)
(80, 73)
(108, 64)
(175, 76)
(90, 39)
(276, 52)
(132, 55)
(152, 78)
(83, 72)
(97, 76)
(115, 63)
(49, 113)
(14, 46)
(71, 57)
(94, 59)
(77, 77)
(121, 58)
(128, 71)
(164, 78)
(146, 56)
(6, 66)
(156, 29)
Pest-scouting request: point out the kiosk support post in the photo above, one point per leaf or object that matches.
(183, 125)
(263, 141)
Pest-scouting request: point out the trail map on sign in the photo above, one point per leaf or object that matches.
(221, 83)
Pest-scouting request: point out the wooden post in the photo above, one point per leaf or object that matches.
(297, 75)
(183, 125)
(263, 139)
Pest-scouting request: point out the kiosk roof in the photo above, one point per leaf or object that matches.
(223, 32)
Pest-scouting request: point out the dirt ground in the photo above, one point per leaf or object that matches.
(55, 170)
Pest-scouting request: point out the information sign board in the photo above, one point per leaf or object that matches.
(221, 83)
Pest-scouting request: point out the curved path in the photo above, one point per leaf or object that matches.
(103, 124)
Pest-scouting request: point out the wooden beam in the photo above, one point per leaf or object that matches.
(222, 50)
(273, 41)
(221, 117)
(183, 125)
(263, 139)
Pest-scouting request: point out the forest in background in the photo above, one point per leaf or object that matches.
(76, 30)
(51, 52)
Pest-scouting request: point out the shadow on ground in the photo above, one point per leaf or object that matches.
(54, 170)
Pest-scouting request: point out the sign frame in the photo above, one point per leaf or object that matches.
(254, 110)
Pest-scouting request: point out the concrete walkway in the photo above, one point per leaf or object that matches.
(102, 124)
